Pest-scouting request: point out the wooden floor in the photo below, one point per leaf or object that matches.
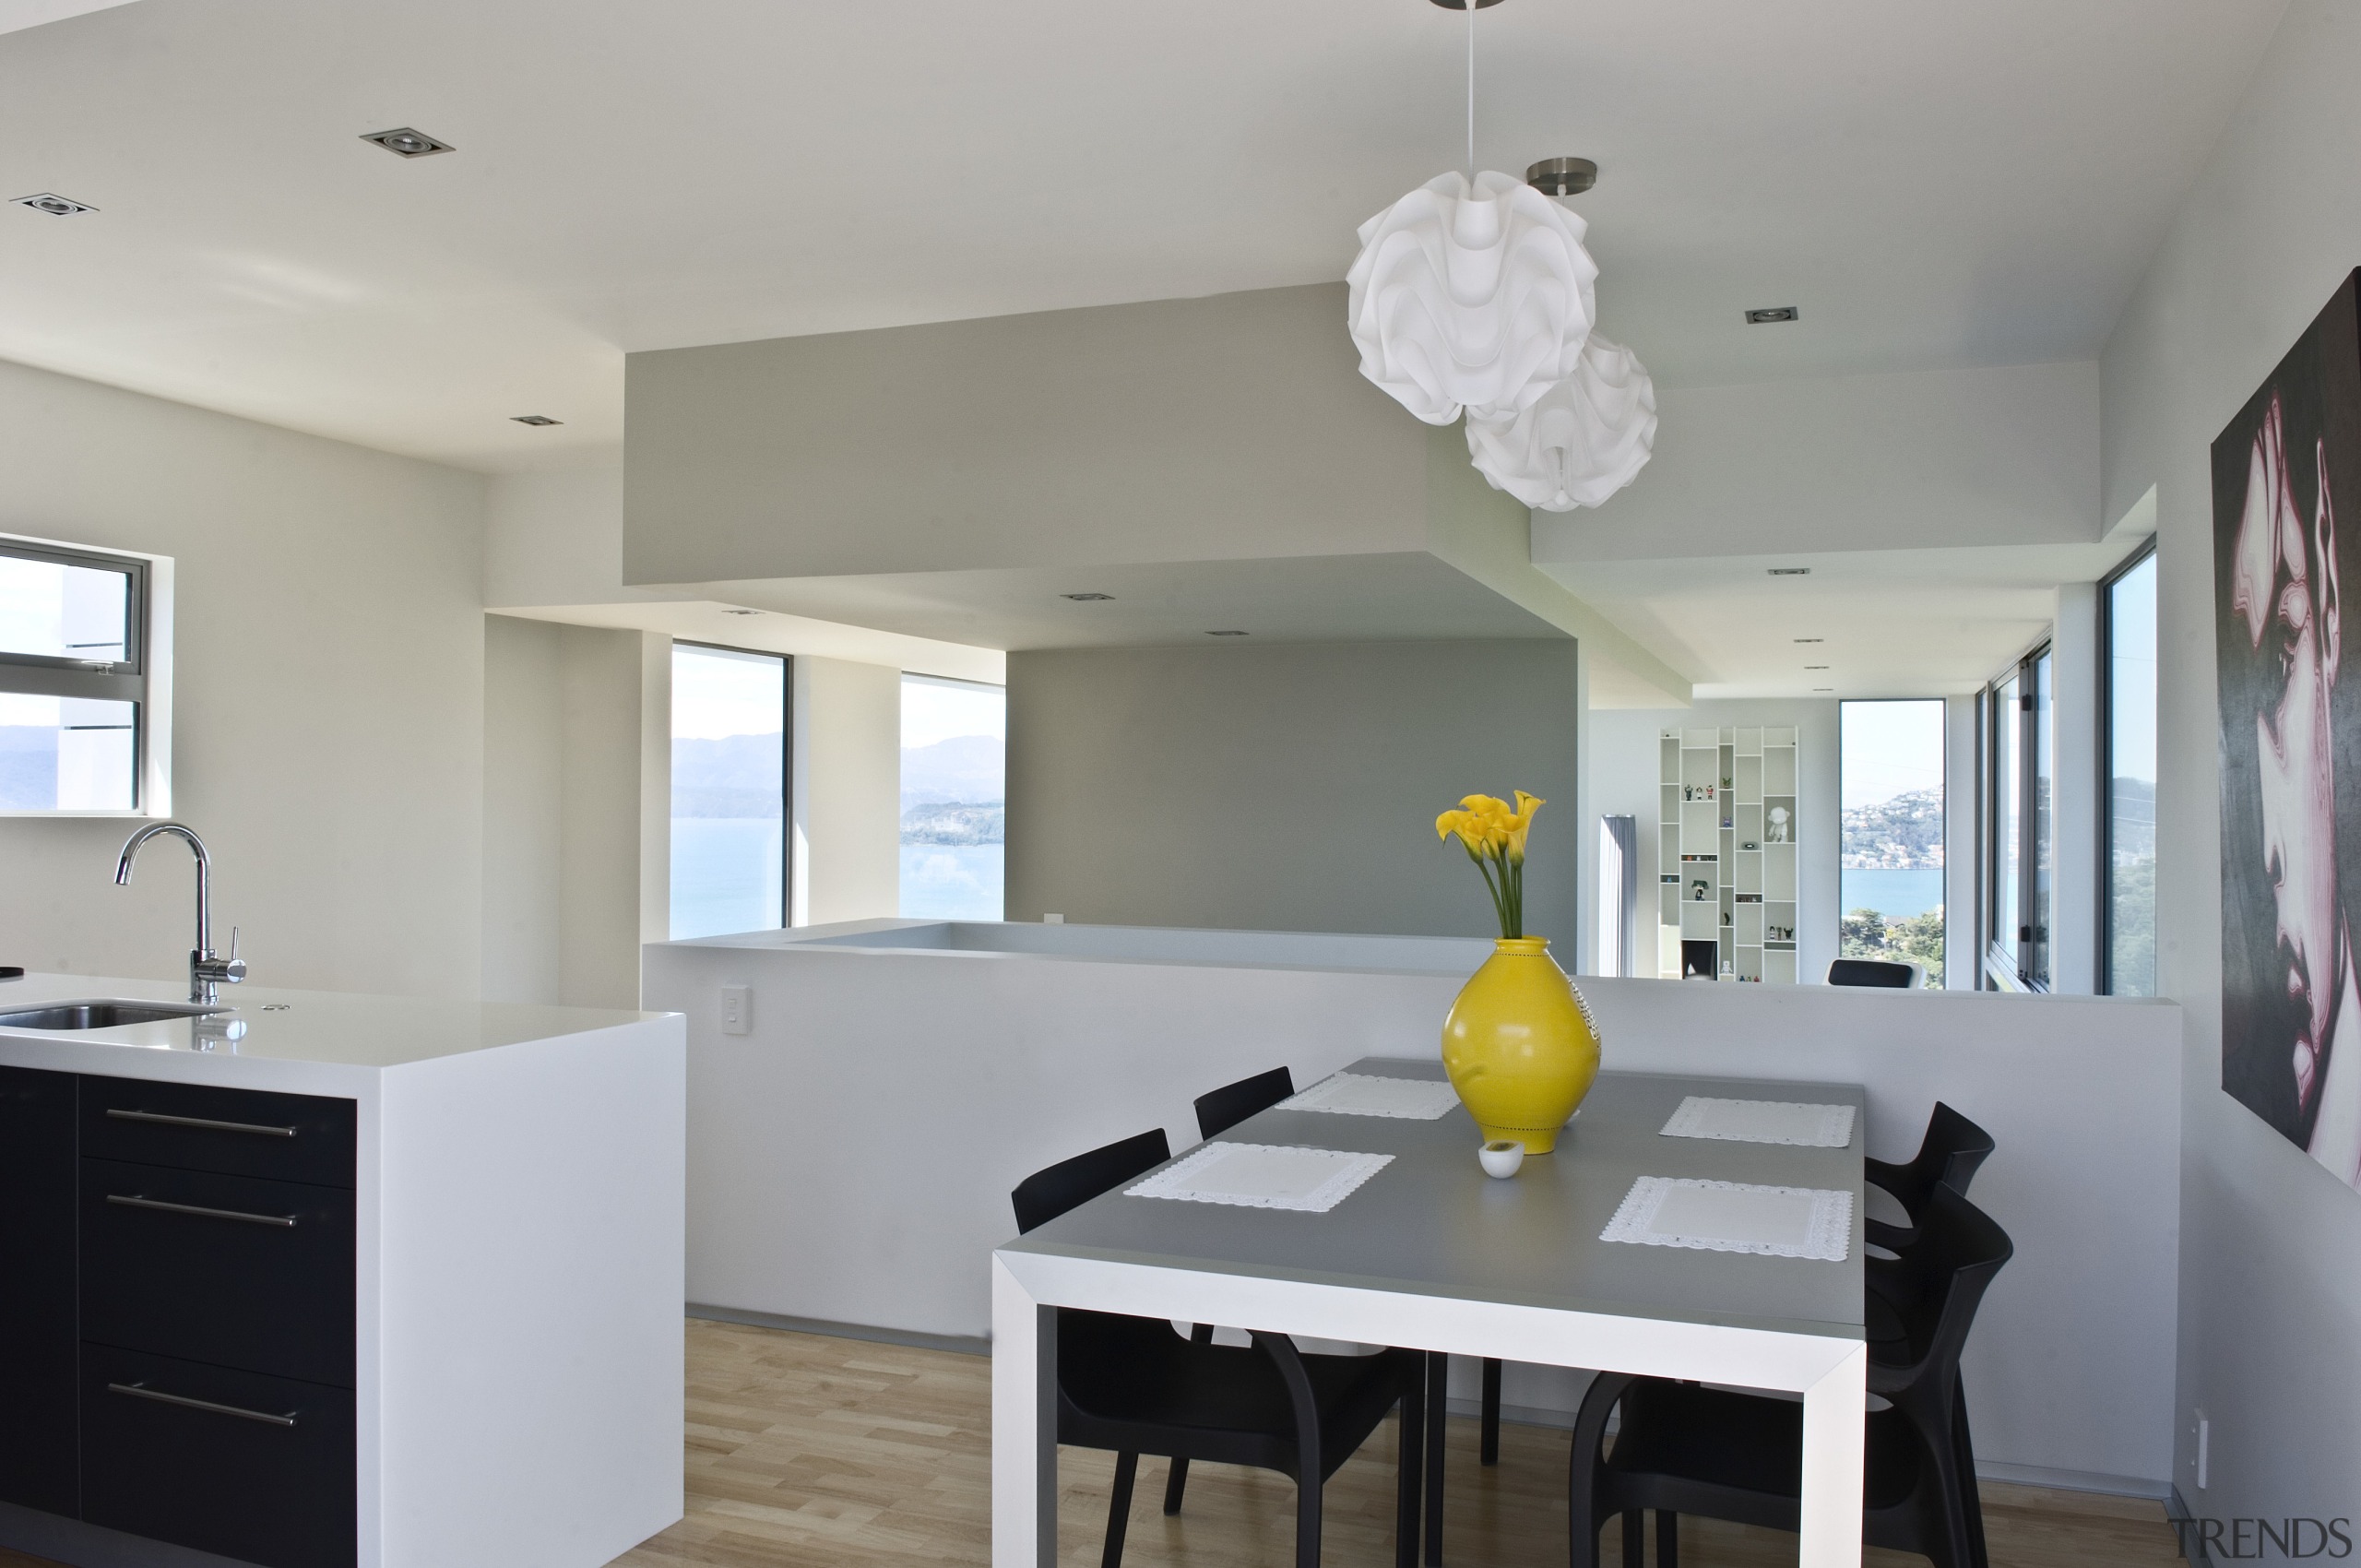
(838, 1454)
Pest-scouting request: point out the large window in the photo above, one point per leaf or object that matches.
(73, 680)
(955, 748)
(2128, 899)
(2020, 870)
(729, 791)
(1890, 758)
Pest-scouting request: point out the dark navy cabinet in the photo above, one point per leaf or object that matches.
(176, 1314)
(38, 1439)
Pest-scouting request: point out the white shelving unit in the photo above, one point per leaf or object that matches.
(1726, 883)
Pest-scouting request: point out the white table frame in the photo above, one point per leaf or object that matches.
(1830, 1372)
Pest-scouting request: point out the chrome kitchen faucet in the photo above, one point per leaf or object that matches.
(208, 971)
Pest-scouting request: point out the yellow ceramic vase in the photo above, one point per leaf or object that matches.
(1520, 1045)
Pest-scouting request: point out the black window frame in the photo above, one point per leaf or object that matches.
(2010, 955)
(2105, 748)
(785, 785)
(95, 680)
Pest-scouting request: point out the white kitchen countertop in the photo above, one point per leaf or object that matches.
(300, 1040)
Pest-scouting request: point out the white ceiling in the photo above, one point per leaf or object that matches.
(1932, 184)
(1888, 622)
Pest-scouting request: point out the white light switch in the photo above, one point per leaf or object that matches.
(737, 1009)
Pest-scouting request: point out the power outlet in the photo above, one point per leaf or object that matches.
(737, 1009)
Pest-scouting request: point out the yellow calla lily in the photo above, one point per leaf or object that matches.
(1493, 833)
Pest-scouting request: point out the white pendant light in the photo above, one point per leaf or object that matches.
(1471, 295)
(1583, 440)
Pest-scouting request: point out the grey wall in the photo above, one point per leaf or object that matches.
(1287, 788)
(2270, 1243)
(1230, 428)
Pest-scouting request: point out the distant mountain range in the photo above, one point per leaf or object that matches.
(736, 776)
(1895, 835)
(965, 770)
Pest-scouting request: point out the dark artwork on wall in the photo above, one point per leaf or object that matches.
(2291, 740)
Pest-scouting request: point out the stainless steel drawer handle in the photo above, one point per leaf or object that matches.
(284, 1221)
(259, 1129)
(141, 1391)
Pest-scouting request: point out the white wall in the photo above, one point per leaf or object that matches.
(847, 792)
(524, 780)
(2270, 1275)
(2006, 456)
(577, 810)
(328, 690)
(1288, 787)
(1963, 765)
(1624, 778)
(2075, 793)
(991, 1064)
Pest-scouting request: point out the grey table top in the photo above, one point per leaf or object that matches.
(1432, 1223)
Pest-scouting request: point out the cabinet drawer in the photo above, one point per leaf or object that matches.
(286, 1137)
(224, 1269)
(257, 1468)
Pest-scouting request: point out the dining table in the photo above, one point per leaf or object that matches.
(1430, 1252)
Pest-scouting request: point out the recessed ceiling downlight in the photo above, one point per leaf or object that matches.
(54, 204)
(404, 142)
(537, 420)
(1766, 316)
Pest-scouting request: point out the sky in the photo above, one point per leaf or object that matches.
(936, 710)
(1890, 748)
(717, 692)
(2131, 607)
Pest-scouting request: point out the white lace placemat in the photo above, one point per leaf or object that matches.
(1310, 1181)
(1763, 1122)
(1734, 1216)
(1363, 1094)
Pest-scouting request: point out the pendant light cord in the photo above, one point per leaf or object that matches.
(1471, 90)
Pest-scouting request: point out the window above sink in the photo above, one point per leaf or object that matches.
(85, 681)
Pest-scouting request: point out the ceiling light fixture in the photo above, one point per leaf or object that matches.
(1789, 571)
(1242, 634)
(1086, 598)
(404, 142)
(1472, 295)
(54, 204)
(1561, 176)
(537, 420)
(1765, 317)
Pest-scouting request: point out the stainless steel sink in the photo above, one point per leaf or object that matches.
(101, 1015)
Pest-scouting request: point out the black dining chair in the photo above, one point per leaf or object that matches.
(1948, 1156)
(1682, 1448)
(1226, 1107)
(1882, 973)
(1133, 1385)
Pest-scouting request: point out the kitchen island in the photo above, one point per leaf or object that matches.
(317, 1280)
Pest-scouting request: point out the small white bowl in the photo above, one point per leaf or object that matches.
(1501, 1158)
